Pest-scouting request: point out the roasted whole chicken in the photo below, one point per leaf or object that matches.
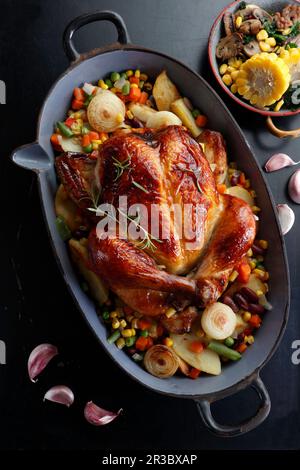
(163, 168)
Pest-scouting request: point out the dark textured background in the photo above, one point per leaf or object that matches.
(35, 305)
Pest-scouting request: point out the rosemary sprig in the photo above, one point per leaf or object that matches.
(94, 196)
(196, 173)
(121, 166)
(139, 186)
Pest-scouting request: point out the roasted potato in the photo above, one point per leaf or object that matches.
(164, 92)
(67, 209)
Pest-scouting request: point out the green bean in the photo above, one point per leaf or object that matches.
(113, 337)
(88, 148)
(224, 351)
(126, 89)
(65, 130)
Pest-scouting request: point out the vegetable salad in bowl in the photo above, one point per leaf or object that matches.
(193, 323)
(259, 56)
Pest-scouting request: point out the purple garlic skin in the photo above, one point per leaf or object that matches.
(39, 359)
(294, 187)
(279, 161)
(98, 416)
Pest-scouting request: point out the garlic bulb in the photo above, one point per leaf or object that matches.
(161, 361)
(278, 161)
(106, 111)
(286, 217)
(218, 321)
(163, 119)
(294, 187)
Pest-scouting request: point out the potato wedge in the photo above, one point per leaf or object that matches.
(208, 361)
(164, 92)
(241, 193)
(141, 111)
(179, 108)
(254, 283)
(67, 209)
(240, 326)
(79, 254)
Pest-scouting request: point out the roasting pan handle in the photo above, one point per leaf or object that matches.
(204, 407)
(77, 23)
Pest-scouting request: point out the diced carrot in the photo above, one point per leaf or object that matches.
(196, 347)
(244, 271)
(221, 188)
(79, 94)
(134, 94)
(55, 142)
(85, 140)
(104, 135)
(134, 80)
(69, 121)
(143, 98)
(144, 324)
(141, 343)
(77, 104)
(201, 120)
(242, 179)
(93, 135)
(150, 342)
(241, 348)
(255, 321)
(194, 373)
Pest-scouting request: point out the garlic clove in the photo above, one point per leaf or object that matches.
(98, 416)
(279, 161)
(294, 187)
(60, 394)
(39, 359)
(286, 217)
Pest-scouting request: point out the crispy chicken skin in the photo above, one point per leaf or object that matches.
(166, 167)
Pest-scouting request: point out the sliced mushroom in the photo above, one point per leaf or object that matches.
(253, 11)
(261, 14)
(229, 46)
(228, 23)
(252, 48)
(250, 27)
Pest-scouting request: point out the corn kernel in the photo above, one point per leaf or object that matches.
(227, 79)
(246, 316)
(234, 74)
(250, 339)
(286, 31)
(129, 114)
(255, 209)
(264, 46)
(267, 276)
(133, 332)
(262, 35)
(129, 73)
(115, 324)
(245, 339)
(247, 184)
(237, 63)
(120, 343)
(133, 85)
(279, 105)
(231, 61)
(233, 276)
(223, 69)
(170, 312)
(134, 323)
(143, 77)
(113, 89)
(100, 82)
(95, 146)
(104, 86)
(137, 73)
(271, 41)
(238, 21)
(259, 273)
(231, 69)
(97, 141)
(113, 314)
(263, 244)
(168, 342)
(127, 333)
(123, 323)
(259, 293)
(252, 265)
(250, 252)
(233, 88)
(119, 118)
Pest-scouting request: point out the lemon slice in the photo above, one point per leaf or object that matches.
(263, 79)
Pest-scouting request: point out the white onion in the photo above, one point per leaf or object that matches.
(218, 321)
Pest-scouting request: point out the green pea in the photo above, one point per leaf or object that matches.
(114, 76)
(88, 148)
(126, 89)
(144, 333)
(130, 341)
(105, 315)
(229, 342)
(124, 75)
(195, 113)
(108, 83)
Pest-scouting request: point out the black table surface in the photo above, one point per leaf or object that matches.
(35, 305)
